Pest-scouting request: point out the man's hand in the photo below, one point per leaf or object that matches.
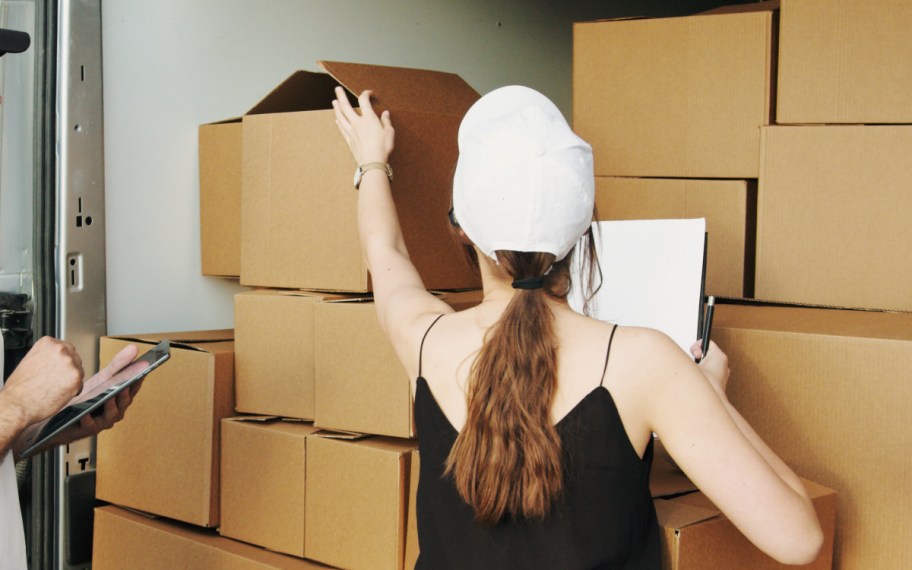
(90, 425)
(48, 377)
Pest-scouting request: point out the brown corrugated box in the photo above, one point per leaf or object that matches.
(675, 97)
(695, 534)
(274, 352)
(357, 495)
(833, 216)
(220, 198)
(830, 392)
(370, 393)
(298, 225)
(263, 481)
(220, 178)
(845, 62)
(125, 540)
(729, 207)
(163, 458)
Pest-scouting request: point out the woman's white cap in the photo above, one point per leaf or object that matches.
(524, 181)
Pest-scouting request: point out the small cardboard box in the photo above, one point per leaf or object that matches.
(163, 458)
(833, 216)
(361, 386)
(298, 223)
(829, 390)
(357, 495)
(730, 209)
(845, 62)
(127, 540)
(274, 352)
(220, 198)
(675, 97)
(263, 481)
(695, 534)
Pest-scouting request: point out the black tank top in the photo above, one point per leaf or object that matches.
(604, 519)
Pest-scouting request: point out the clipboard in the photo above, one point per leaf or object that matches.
(653, 275)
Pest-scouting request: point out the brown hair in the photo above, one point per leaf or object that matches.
(507, 460)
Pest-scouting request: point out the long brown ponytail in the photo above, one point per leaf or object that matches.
(507, 459)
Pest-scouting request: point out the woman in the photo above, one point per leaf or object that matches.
(536, 423)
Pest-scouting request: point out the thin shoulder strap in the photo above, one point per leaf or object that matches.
(421, 348)
(607, 354)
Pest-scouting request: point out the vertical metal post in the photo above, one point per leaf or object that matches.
(74, 214)
(80, 256)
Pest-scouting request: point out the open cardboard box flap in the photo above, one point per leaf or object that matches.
(187, 339)
(397, 88)
(394, 89)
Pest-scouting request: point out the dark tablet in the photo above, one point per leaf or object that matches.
(92, 402)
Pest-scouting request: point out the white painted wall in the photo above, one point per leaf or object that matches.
(170, 65)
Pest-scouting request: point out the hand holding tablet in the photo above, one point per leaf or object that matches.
(107, 384)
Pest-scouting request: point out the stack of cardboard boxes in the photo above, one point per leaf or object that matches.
(810, 107)
(322, 465)
(739, 116)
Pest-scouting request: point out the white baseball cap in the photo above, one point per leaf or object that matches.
(524, 181)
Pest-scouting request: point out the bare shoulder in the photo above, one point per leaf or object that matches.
(647, 358)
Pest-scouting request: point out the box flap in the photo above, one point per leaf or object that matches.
(805, 320)
(673, 513)
(338, 434)
(403, 88)
(767, 6)
(182, 337)
(301, 91)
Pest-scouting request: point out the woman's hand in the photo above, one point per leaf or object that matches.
(714, 365)
(369, 137)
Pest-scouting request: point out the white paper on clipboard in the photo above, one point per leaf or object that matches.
(652, 276)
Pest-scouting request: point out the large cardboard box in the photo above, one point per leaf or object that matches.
(361, 386)
(125, 540)
(220, 198)
(274, 352)
(829, 390)
(163, 457)
(357, 501)
(729, 207)
(298, 223)
(675, 97)
(845, 62)
(263, 481)
(832, 223)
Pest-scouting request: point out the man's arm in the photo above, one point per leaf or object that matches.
(48, 377)
(12, 422)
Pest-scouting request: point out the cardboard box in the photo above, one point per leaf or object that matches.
(729, 206)
(298, 226)
(695, 534)
(845, 62)
(829, 391)
(675, 97)
(357, 494)
(361, 386)
(126, 540)
(163, 458)
(832, 223)
(220, 198)
(274, 352)
(263, 480)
